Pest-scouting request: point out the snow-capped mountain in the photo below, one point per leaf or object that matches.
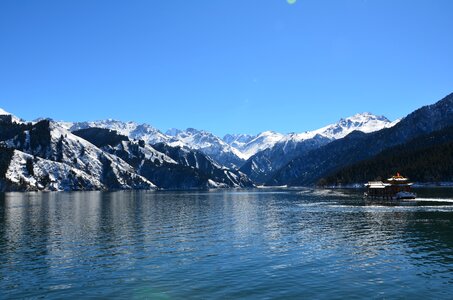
(28, 172)
(234, 149)
(250, 145)
(4, 113)
(219, 176)
(262, 141)
(44, 155)
(56, 159)
(364, 122)
(238, 141)
(168, 167)
(132, 130)
(209, 144)
(357, 147)
(47, 155)
(279, 149)
(201, 140)
(265, 153)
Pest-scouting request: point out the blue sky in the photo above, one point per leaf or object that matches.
(241, 66)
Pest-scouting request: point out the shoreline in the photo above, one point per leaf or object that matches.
(415, 185)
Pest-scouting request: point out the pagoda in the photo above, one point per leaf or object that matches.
(395, 187)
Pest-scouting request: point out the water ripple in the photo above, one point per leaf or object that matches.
(224, 244)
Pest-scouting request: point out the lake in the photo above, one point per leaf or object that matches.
(235, 244)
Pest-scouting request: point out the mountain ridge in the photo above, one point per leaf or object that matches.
(426, 158)
(306, 169)
(261, 166)
(110, 154)
(233, 149)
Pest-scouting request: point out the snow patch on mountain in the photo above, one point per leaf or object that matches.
(364, 122)
(4, 112)
(47, 174)
(238, 141)
(203, 140)
(91, 158)
(132, 130)
(234, 149)
(209, 144)
(54, 143)
(149, 152)
(13, 117)
(261, 142)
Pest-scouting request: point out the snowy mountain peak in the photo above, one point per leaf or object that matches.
(262, 141)
(365, 122)
(233, 149)
(209, 144)
(192, 132)
(241, 138)
(363, 118)
(13, 117)
(131, 129)
(3, 112)
(238, 141)
(173, 131)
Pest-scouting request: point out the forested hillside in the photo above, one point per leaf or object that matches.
(428, 158)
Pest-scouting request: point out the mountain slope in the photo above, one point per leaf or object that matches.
(428, 158)
(310, 167)
(262, 166)
(262, 141)
(233, 150)
(209, 144)
(168, 167)
(198, 160)
(238, 141)
(200, 140)
(132, 130)
(4, 115)
(31, 173)
(52, 143)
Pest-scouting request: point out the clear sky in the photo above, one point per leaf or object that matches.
(240, 66)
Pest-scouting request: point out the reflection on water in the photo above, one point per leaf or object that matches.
(224, 244)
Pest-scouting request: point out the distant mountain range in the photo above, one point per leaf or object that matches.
(110, 154)
(312, 166)
(283, 148)
(44, 155)
(233, 150)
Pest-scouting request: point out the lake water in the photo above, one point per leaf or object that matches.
(257, 244)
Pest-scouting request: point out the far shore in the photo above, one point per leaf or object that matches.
(415, 185)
